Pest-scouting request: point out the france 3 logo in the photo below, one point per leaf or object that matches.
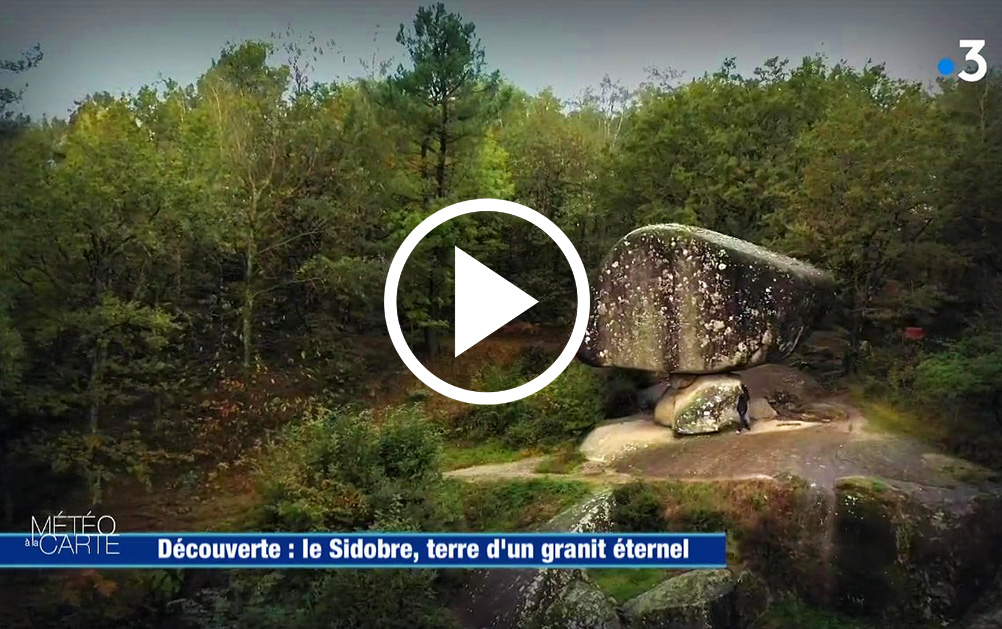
(973, 46)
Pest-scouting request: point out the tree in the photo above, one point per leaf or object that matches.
(869, 197)
(263, 152)
(448, 97)
(716, 151)
(85, 230)
(11, 120)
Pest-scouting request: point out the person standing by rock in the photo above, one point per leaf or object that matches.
(743, 400)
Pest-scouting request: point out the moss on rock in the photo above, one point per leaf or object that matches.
(579, 605)
(699, 599)
(707, 405)
(902, 559)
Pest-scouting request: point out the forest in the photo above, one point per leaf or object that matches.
(191, 282)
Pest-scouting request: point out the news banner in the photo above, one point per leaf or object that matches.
(88, 541)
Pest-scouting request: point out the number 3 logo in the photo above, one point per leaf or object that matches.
(975, 46)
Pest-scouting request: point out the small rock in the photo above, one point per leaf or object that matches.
(759, 408)
(700, 599)
(579, 605)
(706, 405)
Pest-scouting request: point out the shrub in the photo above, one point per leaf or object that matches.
(571, 405)
(636, 507)
(511, 505)
(336, 599)
(568, 408)
(408, 446)
(336, 471)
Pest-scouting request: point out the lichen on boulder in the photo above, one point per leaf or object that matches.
(579, 605)
(899, 558)
(678, 299)
(707, 405)
(699, 599)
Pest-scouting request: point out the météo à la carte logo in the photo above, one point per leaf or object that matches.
(86, 534)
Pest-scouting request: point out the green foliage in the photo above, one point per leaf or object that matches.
(11, 120)
(376, 599)
(792, 613)
(334, 470)
(462, 454)
(563, 461)
(515, 505)
(623, 584)
(566, 409)
(637, 507)
(443, 104)
(964, 372)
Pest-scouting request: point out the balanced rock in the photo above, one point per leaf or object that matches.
(678, 299)
(707, 405)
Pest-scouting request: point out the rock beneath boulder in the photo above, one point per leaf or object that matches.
(678, 299)
(707, 405)
(759, 409)
(648, 398)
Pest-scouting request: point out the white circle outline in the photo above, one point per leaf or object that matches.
(393, 282)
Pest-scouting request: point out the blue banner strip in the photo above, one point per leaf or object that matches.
(364, 550)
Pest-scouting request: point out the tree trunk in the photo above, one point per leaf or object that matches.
(8, 509)
(247, 312)
(94, 412)
(425, 196)
(443, 147)
(432, 335)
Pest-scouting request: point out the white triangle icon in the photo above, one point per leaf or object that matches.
(485, 301)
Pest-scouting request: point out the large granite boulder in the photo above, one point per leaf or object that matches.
(678, 299)
(699, 599)
(535, 599)
(579, 605)
(709, 404)
(911, 554)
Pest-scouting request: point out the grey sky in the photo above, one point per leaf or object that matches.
(107, 45)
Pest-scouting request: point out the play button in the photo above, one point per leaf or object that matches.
(485, 301)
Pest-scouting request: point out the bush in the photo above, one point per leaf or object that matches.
(512, 505)
(637, 508)
(335, 599)
(336, 471)
(568, 408)
(408, 446)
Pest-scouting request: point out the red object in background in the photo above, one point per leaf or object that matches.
(915, 334)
